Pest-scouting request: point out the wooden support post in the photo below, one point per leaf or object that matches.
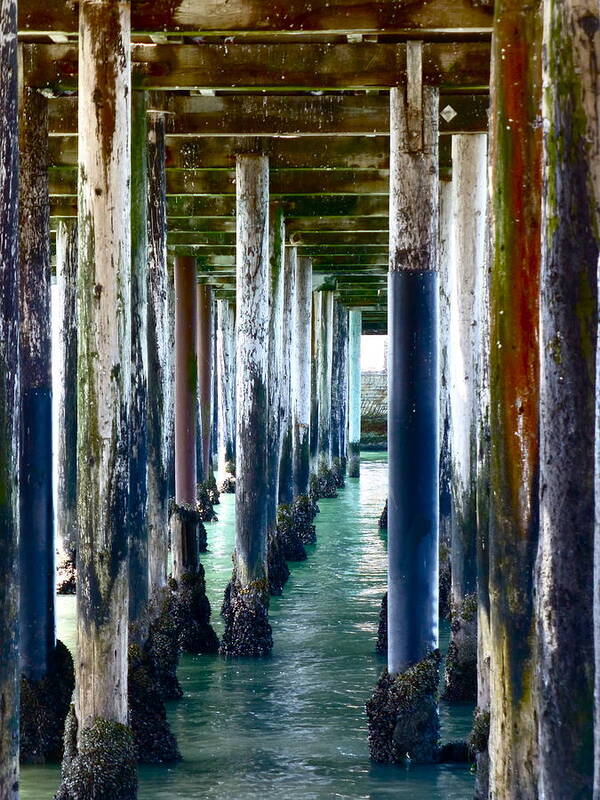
(158, 358)
(66, 511)
(354, 404)
(104, 392)
(515, 191)
(9, 406)
(214, 402)
(226, 373)
(184, 544)
(275, 342)
(569, 323)
(301, 370)
(338, 389)
(247, 629)
(204, 350)
(36, 510)
(469, 162)
(286, 478)
(324, 376)
(412, 435)
(314, 395)
(170, 386)
(344, 387)
(138, 417)
(446, 240)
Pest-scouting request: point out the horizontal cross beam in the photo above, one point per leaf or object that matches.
(463, 65)
(223, 17)
(275, 116)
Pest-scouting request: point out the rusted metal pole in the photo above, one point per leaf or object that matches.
(247, 629)
(158, 358)
(301, 371)
(104, 379)
(569, 323)
(469, 165)
(36, 507)
(138, 419)
(66, 269)
(354, 409)
(9, 406)
(184, 545)
(204, 350)
(516, 186)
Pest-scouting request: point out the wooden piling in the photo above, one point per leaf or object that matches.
(158, 358)
(66, 278)
(138, 417)
(286, 478)
(564, 585)
(324, 375)
(9, 406)
(469, 161)
(204, 351)
(226, 374)
(100, 715)
(246, 605)
(354, 393)
(515, 192)
(184, 544)
(301, 371)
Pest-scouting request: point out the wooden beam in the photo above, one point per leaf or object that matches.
(308, 240)
(224, 206)
(323, 152)
(63, 181)
(263, 16)
(461, 65)
(273, 116)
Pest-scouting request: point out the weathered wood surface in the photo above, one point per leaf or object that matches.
(36, 503)
(286, 477)
(462, 65)
(204, 351)
(66, 494)
(275, 366)
(104, 371)
(252, 330)
(9, 405)
(301, 368)
(466, 267)
(309, 242)
(224, 17)
(245, 116)
(226, 373)
(324, 365)
(516, 185)
(413, 393)
(159, 324)
(185, 545)
(564, 588)
(354, 393)
(138, 414)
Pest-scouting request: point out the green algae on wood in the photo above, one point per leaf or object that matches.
(516, 186)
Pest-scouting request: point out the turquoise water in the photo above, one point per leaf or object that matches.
(293, 727)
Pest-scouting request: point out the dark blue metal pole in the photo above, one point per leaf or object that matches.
(413, 467)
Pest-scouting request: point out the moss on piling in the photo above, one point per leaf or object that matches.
(289, 536)
(43, 709)
(461, 660)
(277, 566)
(403, 715)
(382, 630)
(245, 610)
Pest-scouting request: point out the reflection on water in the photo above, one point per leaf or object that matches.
(293, 726)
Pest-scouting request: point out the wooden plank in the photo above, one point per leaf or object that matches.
(63, 180)
(224, 206)
(324, 152)
(461, 65)
(264, 16)
(307, 240)
(271, 116)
